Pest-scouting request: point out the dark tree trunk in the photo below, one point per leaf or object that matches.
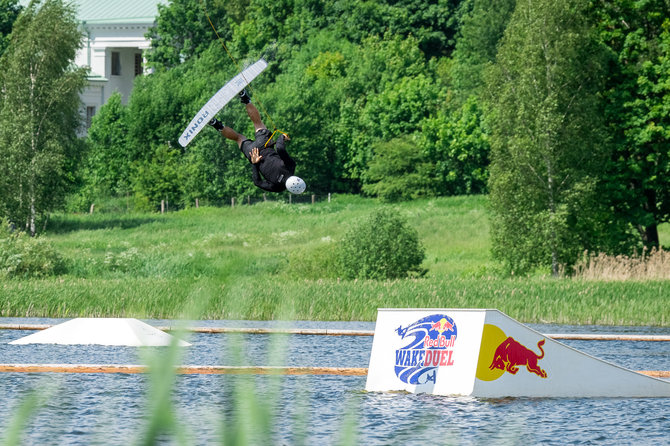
(649, 233)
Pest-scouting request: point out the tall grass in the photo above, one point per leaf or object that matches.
(273, 254)
(649, 265)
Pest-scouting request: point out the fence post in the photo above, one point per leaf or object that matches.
(249, 200)
(328, 197)
(290, 199)
(232, 202)
(265, 197)
(197, 204)
(92, 208)
(162, 206)
(313, 198)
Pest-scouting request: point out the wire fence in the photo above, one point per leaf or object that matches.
(287, 198)
(166, 205)
(248, 200)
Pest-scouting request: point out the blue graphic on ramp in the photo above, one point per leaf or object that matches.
(429, 345)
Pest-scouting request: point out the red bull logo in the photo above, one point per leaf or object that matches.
(431, 342)
(510, 355)
(500, 354)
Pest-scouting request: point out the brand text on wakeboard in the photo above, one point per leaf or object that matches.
(187, 134)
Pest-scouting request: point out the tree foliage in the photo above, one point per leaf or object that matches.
(40, 112)
(484, 23)
(398, 171)
(638, 93)
(457, 145)
(183, 31)
(9, 11)
(108, 171)
(546, 134)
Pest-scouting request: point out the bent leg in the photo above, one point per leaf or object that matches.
(255, 117)
(233, 135)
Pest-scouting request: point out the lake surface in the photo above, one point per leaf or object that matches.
(83, 409)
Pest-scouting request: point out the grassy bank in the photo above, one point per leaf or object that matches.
(245, 263)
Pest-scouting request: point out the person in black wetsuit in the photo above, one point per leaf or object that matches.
(272, 170)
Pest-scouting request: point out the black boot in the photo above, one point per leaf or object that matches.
(244, 97)
(216, 124)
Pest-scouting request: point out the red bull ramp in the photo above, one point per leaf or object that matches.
(487, 354)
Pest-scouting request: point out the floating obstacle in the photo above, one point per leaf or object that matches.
(485, 353)
(101, 331)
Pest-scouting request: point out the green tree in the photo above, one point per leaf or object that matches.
(158, 179)
(108, 161)
(305, 101)
(9, 11)
(637, 93)
(40, 111)
(389, 91)
(337, 100)
(546, 135)
(434, 23)
(398, 171)
(183, 30)
(484, 23)
(457, 144)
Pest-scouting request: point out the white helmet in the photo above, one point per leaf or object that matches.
(295, 185)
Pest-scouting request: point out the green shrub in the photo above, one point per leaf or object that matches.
(382, 246)
(318, 262)
(398, 171)
(24, 256)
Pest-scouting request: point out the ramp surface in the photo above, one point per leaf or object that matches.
(101, 331)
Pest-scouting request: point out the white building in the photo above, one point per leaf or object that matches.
(113, 46)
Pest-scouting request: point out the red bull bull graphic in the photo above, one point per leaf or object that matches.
(500, 353)
(430, 345)
(510, 355)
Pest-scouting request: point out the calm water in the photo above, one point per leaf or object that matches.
(85, 409)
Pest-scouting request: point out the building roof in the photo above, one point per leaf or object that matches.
(125, 11)
(116, 11)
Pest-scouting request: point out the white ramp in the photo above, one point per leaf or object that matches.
(101, 331)
(484, 353)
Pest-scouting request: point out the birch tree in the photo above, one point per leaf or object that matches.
(546, 135)
(39, 113)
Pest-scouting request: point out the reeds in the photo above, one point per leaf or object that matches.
(648, 265)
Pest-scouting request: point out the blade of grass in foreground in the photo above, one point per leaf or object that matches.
(27, 410)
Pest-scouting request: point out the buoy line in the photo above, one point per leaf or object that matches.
(338, 332)
(183, 370)
(213, 370)
(609, 337)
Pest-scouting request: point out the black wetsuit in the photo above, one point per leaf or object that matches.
(275, 166)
